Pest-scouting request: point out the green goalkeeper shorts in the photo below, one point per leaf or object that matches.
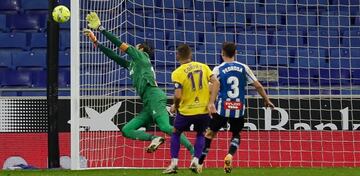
(154, 103)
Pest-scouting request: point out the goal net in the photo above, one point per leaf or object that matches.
(305, 53)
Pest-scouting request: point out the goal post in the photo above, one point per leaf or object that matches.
(305, 53)
(75, 85)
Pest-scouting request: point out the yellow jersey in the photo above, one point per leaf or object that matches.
(193, 78)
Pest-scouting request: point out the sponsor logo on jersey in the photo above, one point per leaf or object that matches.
(233, 105)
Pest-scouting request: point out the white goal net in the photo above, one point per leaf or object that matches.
(305, 53)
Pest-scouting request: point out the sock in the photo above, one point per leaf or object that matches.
(205, 151)
(175, 145)
(195, 160)
(174, 161)
(234, 144)
(153, 137)
(199, 144)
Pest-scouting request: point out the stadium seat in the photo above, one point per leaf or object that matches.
(135, 19)
(334, 62)
(34, 93)
(212, 59)
(15, 78)
(25, 22)
(355, 62)
(170, 56)
(9, 6)
(221, 38)
(64, 39)
(13, 40)
(348, 2)
(160, 57)
(312, 58)
(324, 38)
(289, 38)
(345, 63)
(145, 2)
(355, 76)
(309, 18)
(273, 57)
(64, 59)
(24, 60)
(5, 60)
(40, 78)
(65, 26)
(64, 79)
(351, 39)
(266, 19)
(210, 6)
(354, 53)
(310, 2)
(38, 40)
(35, 5)
(10, 93)
(247, 57)
(3, 23)
(163, 77)
(65, 2)
(229, 19)
(182, 37)
(335, 19)
(177, 4)
(198, 22)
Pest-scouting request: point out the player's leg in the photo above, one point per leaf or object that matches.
(164, 125)
(180, 124)
(130, 130)
(158, 109)
(200, 125)
(236, 125)
(215, 124)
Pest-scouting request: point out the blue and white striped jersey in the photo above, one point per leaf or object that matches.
(234, 77)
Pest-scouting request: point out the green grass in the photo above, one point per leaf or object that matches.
(206, 172)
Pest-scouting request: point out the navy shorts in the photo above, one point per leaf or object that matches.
(183, 123)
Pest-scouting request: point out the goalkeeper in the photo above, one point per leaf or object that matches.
(143, 78)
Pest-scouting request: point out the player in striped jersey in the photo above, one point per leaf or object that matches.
(234, 77)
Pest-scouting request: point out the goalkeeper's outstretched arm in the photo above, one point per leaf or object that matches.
(107, 51)
(114, 56)
(95, 23)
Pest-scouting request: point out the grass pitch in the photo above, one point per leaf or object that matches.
(186, 172)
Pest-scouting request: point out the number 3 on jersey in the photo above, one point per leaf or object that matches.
(234, 82)
(191, 77)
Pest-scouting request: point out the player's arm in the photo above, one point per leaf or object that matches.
(177, 97)
(107, 51)
(213, 93)
(259, 88)
(214, 88)
(95, 23)
(177, 79)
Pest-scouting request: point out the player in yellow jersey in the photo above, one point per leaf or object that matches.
(192, 102)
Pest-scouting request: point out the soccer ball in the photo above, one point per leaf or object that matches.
(61, 14)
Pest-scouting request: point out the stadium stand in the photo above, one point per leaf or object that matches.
(305, 38)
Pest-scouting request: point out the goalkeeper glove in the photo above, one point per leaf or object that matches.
(93, 20)
(91, 35)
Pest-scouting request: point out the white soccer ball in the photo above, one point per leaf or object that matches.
(61, 14)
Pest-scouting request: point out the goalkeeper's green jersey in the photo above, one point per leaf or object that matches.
(141, 71)
(140, 68)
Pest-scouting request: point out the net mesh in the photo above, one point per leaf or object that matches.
(305, 53)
